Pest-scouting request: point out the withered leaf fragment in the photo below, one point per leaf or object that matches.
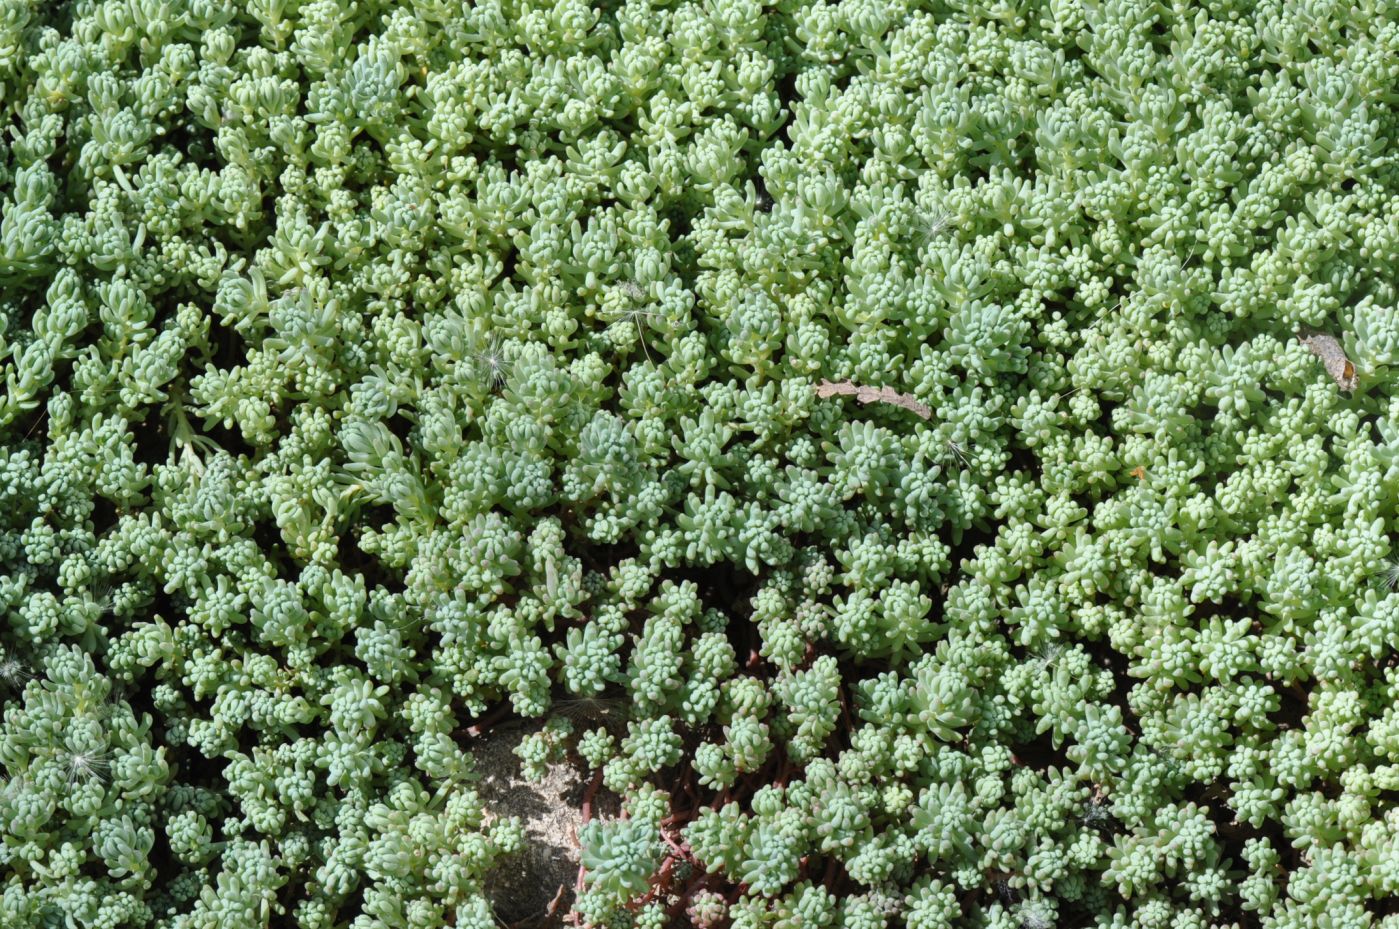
(827, 389)
(1329, 350)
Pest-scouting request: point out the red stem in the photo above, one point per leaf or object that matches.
(590, 795)
(660, 880)
(689, 786)
(675, 847)
(586, 815)
(488, 719)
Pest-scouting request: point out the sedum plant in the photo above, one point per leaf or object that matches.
(936, 462)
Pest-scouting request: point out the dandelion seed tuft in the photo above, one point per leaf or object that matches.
(937, 223)
(13, 673)
(1387, 577)
(85, 766)
(492, 365)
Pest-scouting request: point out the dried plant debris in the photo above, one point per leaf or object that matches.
(1328, 349)
(827, 389)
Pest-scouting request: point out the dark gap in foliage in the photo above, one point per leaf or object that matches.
(1387, 906)
(725, 585)
(226, 438)
(596, 556)
(683, 252)
(354, 560)
(33, 432)
(506, 156)
(963, 549)
(729, 588)
(1039, 753)
(1122, 681)
(135, 693)
(787, 95)
(290, 893)
(228, 346)
(349, 908)
(679, 221)
(103, 516)
(196, 769)
(498, 714)
(1292, 706)
(196, 143)
(350, 558)
(269, 540)
(151, 438)
(764, 199)
(509, 259)
(167, 867)
(1233, 835)
(401, 427)
(1023, 459)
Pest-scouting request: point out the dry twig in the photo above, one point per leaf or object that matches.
(827, 389)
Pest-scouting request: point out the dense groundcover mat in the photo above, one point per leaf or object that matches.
(936, 463)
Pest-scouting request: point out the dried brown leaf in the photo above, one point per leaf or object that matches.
(1329, 350)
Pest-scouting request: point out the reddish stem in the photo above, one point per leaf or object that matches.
(676, 848)
(490, 718)
(660, 880)
(690, 793)
(586, 815)
(845, 711)
(590, 795)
